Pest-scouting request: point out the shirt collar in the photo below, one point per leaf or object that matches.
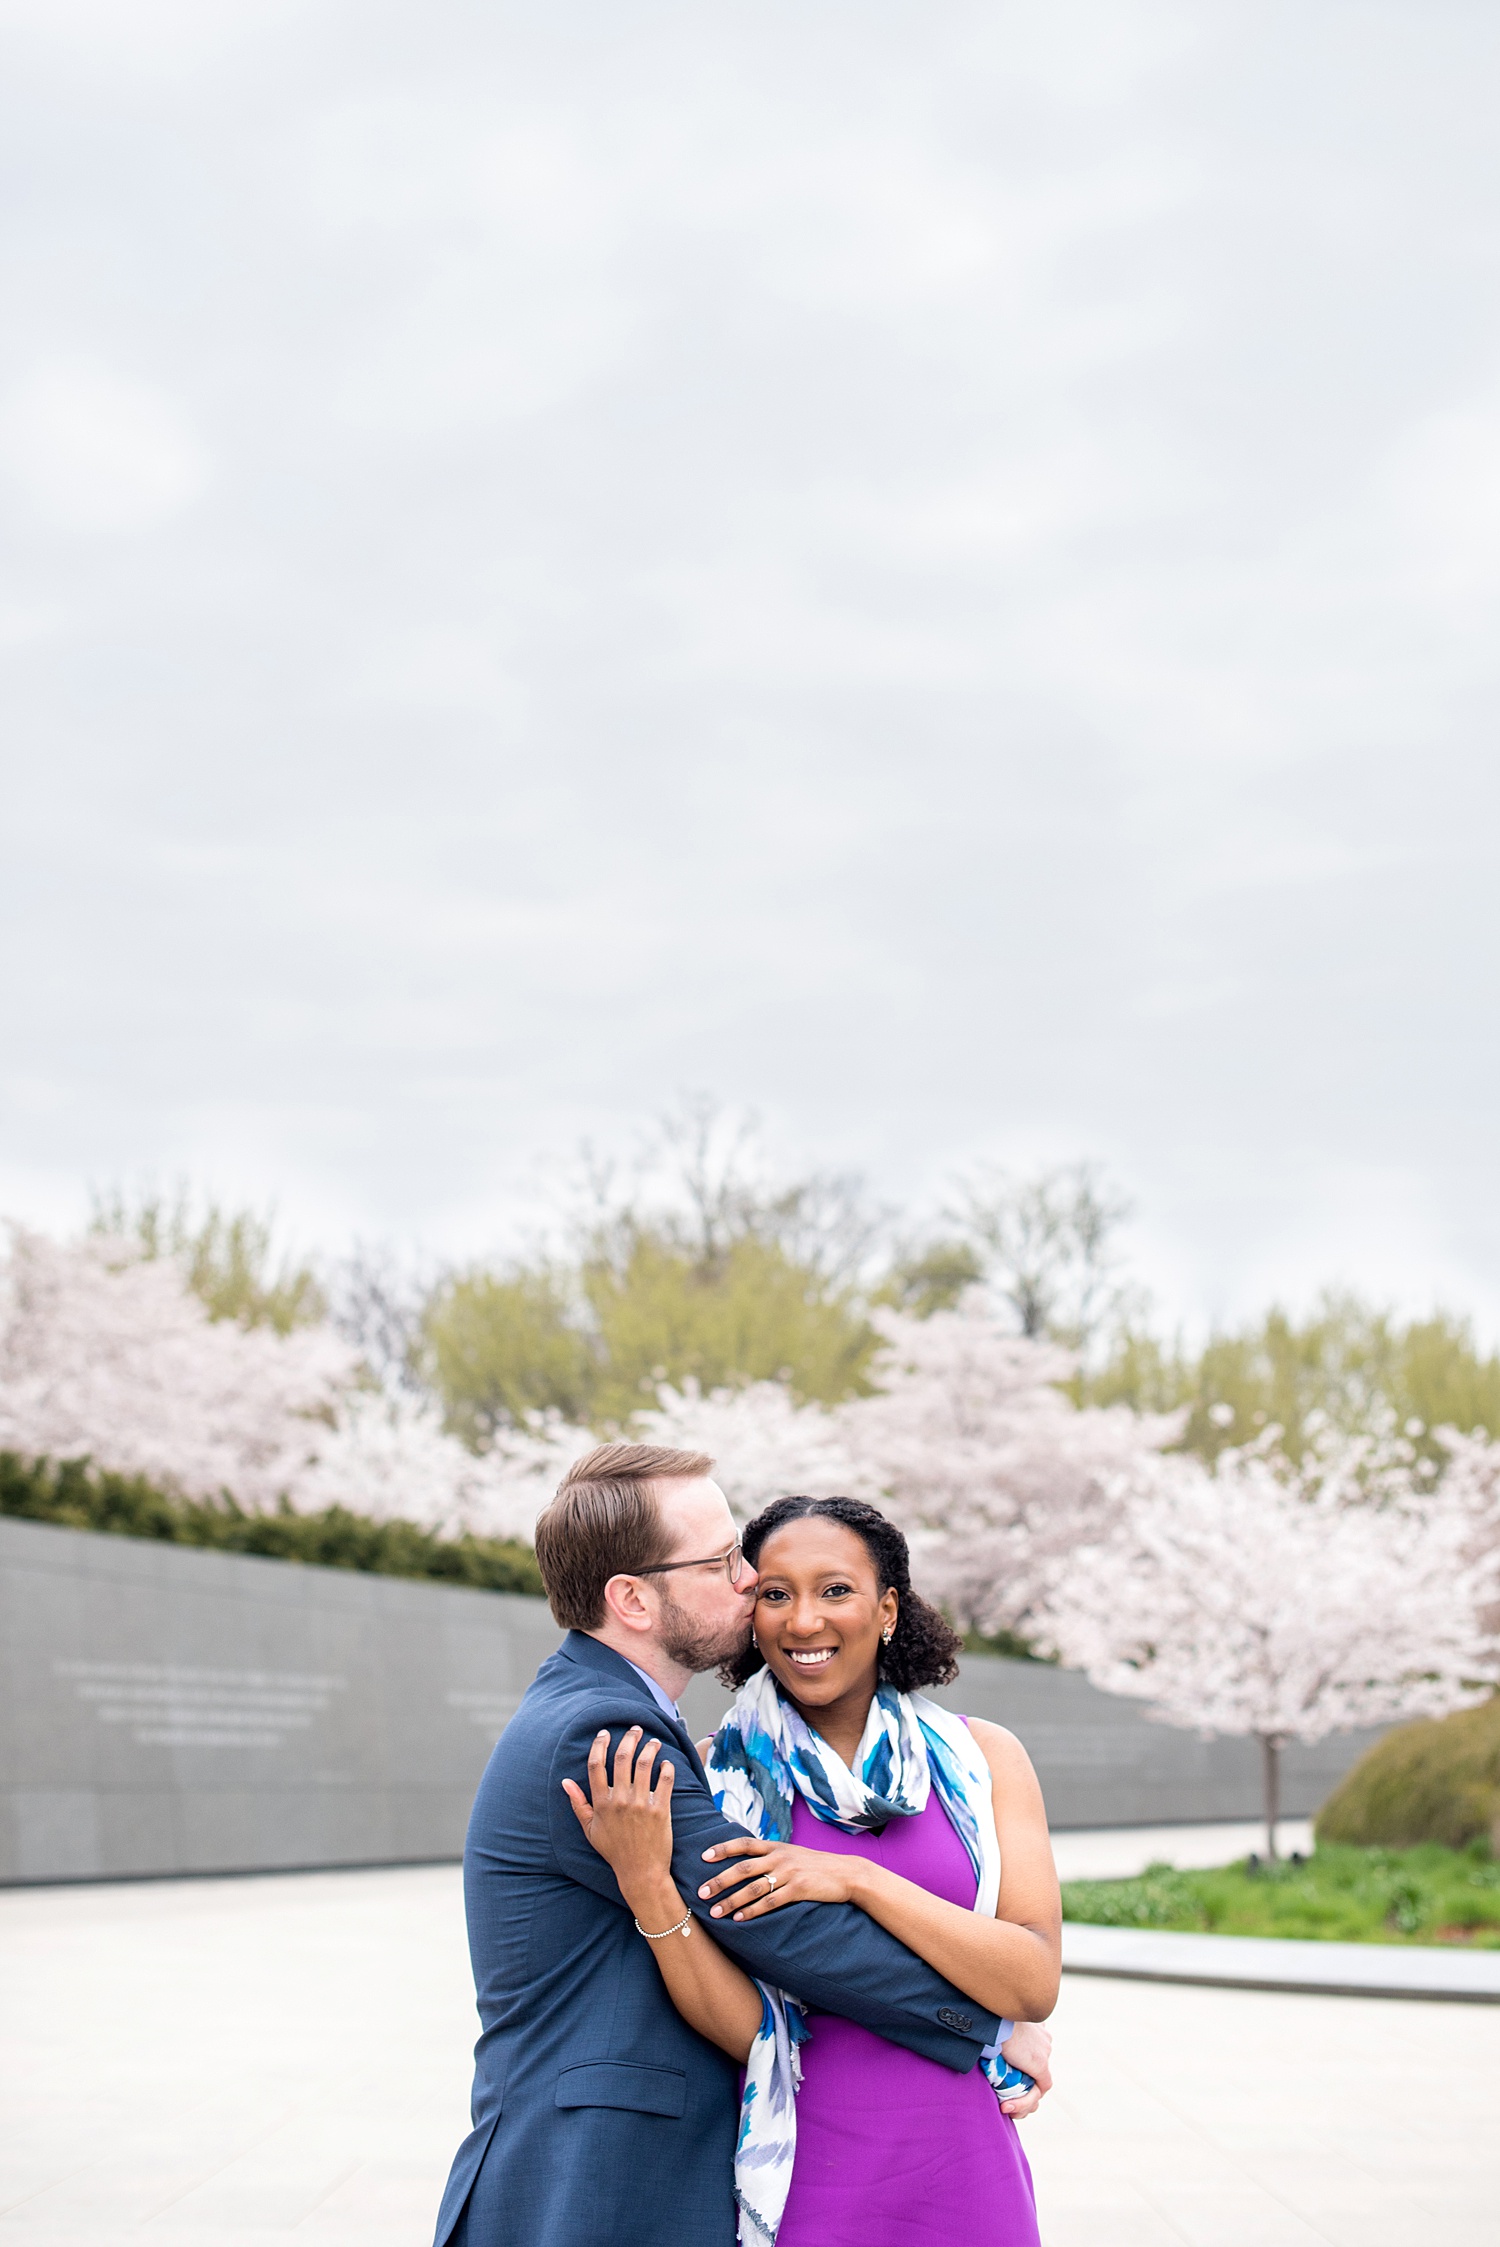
(658, 1692)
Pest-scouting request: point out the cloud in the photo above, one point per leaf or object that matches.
(150, 41)
(92, 453)
(929, 572)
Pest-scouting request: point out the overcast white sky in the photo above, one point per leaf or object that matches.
(931, 570)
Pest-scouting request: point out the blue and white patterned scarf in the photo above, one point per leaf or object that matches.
(761, 1757)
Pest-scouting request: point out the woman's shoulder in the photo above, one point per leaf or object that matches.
(1002, 1751)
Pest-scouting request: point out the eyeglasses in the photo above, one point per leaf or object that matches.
(732, 1563)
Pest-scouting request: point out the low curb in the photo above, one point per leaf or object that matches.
(1258, 1962)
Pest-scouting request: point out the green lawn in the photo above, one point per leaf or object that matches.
(1424, 1895)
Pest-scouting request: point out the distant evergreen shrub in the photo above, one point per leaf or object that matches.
(1434, 1781)
(75, 1495)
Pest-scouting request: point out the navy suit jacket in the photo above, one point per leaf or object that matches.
(600, 2118)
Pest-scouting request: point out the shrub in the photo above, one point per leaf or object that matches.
(1434, 1781)
(1159, 1897)
(1342, 1895)
(74, 1495)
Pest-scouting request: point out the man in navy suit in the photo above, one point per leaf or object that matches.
(601, 2119)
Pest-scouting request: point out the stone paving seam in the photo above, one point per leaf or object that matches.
(205, 2177)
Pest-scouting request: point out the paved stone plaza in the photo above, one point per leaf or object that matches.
(251, 2063)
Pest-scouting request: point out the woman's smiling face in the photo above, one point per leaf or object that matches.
(820, 1612)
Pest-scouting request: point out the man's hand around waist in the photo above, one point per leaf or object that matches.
(1030, 2049)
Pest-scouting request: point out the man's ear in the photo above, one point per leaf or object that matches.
(625, 1603)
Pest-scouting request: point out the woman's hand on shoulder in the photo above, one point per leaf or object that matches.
(767, 1874)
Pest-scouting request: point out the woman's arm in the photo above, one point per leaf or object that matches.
(630, 1824)
(1011, 1963)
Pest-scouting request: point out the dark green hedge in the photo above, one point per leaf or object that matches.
(1434, 1781)
(77, 1496)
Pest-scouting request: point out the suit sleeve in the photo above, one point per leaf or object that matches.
(831, 1956)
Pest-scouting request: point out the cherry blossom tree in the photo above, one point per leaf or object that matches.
(1262, 1600)
(1471, 1481)
(108, 1355)
(765, 1443)
(389, 1456)
(524, 1466)
(987, 1464)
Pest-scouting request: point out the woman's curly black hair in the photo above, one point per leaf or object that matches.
(924, 1646)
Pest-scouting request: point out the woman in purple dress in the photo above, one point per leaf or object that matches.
(862, 1790)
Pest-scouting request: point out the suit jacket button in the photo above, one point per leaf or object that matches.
(952, 2019)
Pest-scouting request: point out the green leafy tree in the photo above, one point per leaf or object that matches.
(750, 1311)
(929, 1279)
(1344, 1366)
(500, 1345)
(709, 1269)
(698, 1269)
(641, 1307)
(229, 1256)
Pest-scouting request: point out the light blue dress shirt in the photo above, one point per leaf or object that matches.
(658, 1692)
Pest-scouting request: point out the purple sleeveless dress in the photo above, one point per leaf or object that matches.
(894, 2150)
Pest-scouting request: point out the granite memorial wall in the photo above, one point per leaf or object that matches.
(172, 1711)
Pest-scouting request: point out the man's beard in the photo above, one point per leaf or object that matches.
(684, 1639)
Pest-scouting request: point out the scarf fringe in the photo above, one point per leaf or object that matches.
(759, 2233)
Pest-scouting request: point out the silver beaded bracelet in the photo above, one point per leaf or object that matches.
(684, 1928)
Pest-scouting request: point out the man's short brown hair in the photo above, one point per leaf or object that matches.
(606, 1521)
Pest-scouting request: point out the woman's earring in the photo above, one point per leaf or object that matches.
(887, 1634)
